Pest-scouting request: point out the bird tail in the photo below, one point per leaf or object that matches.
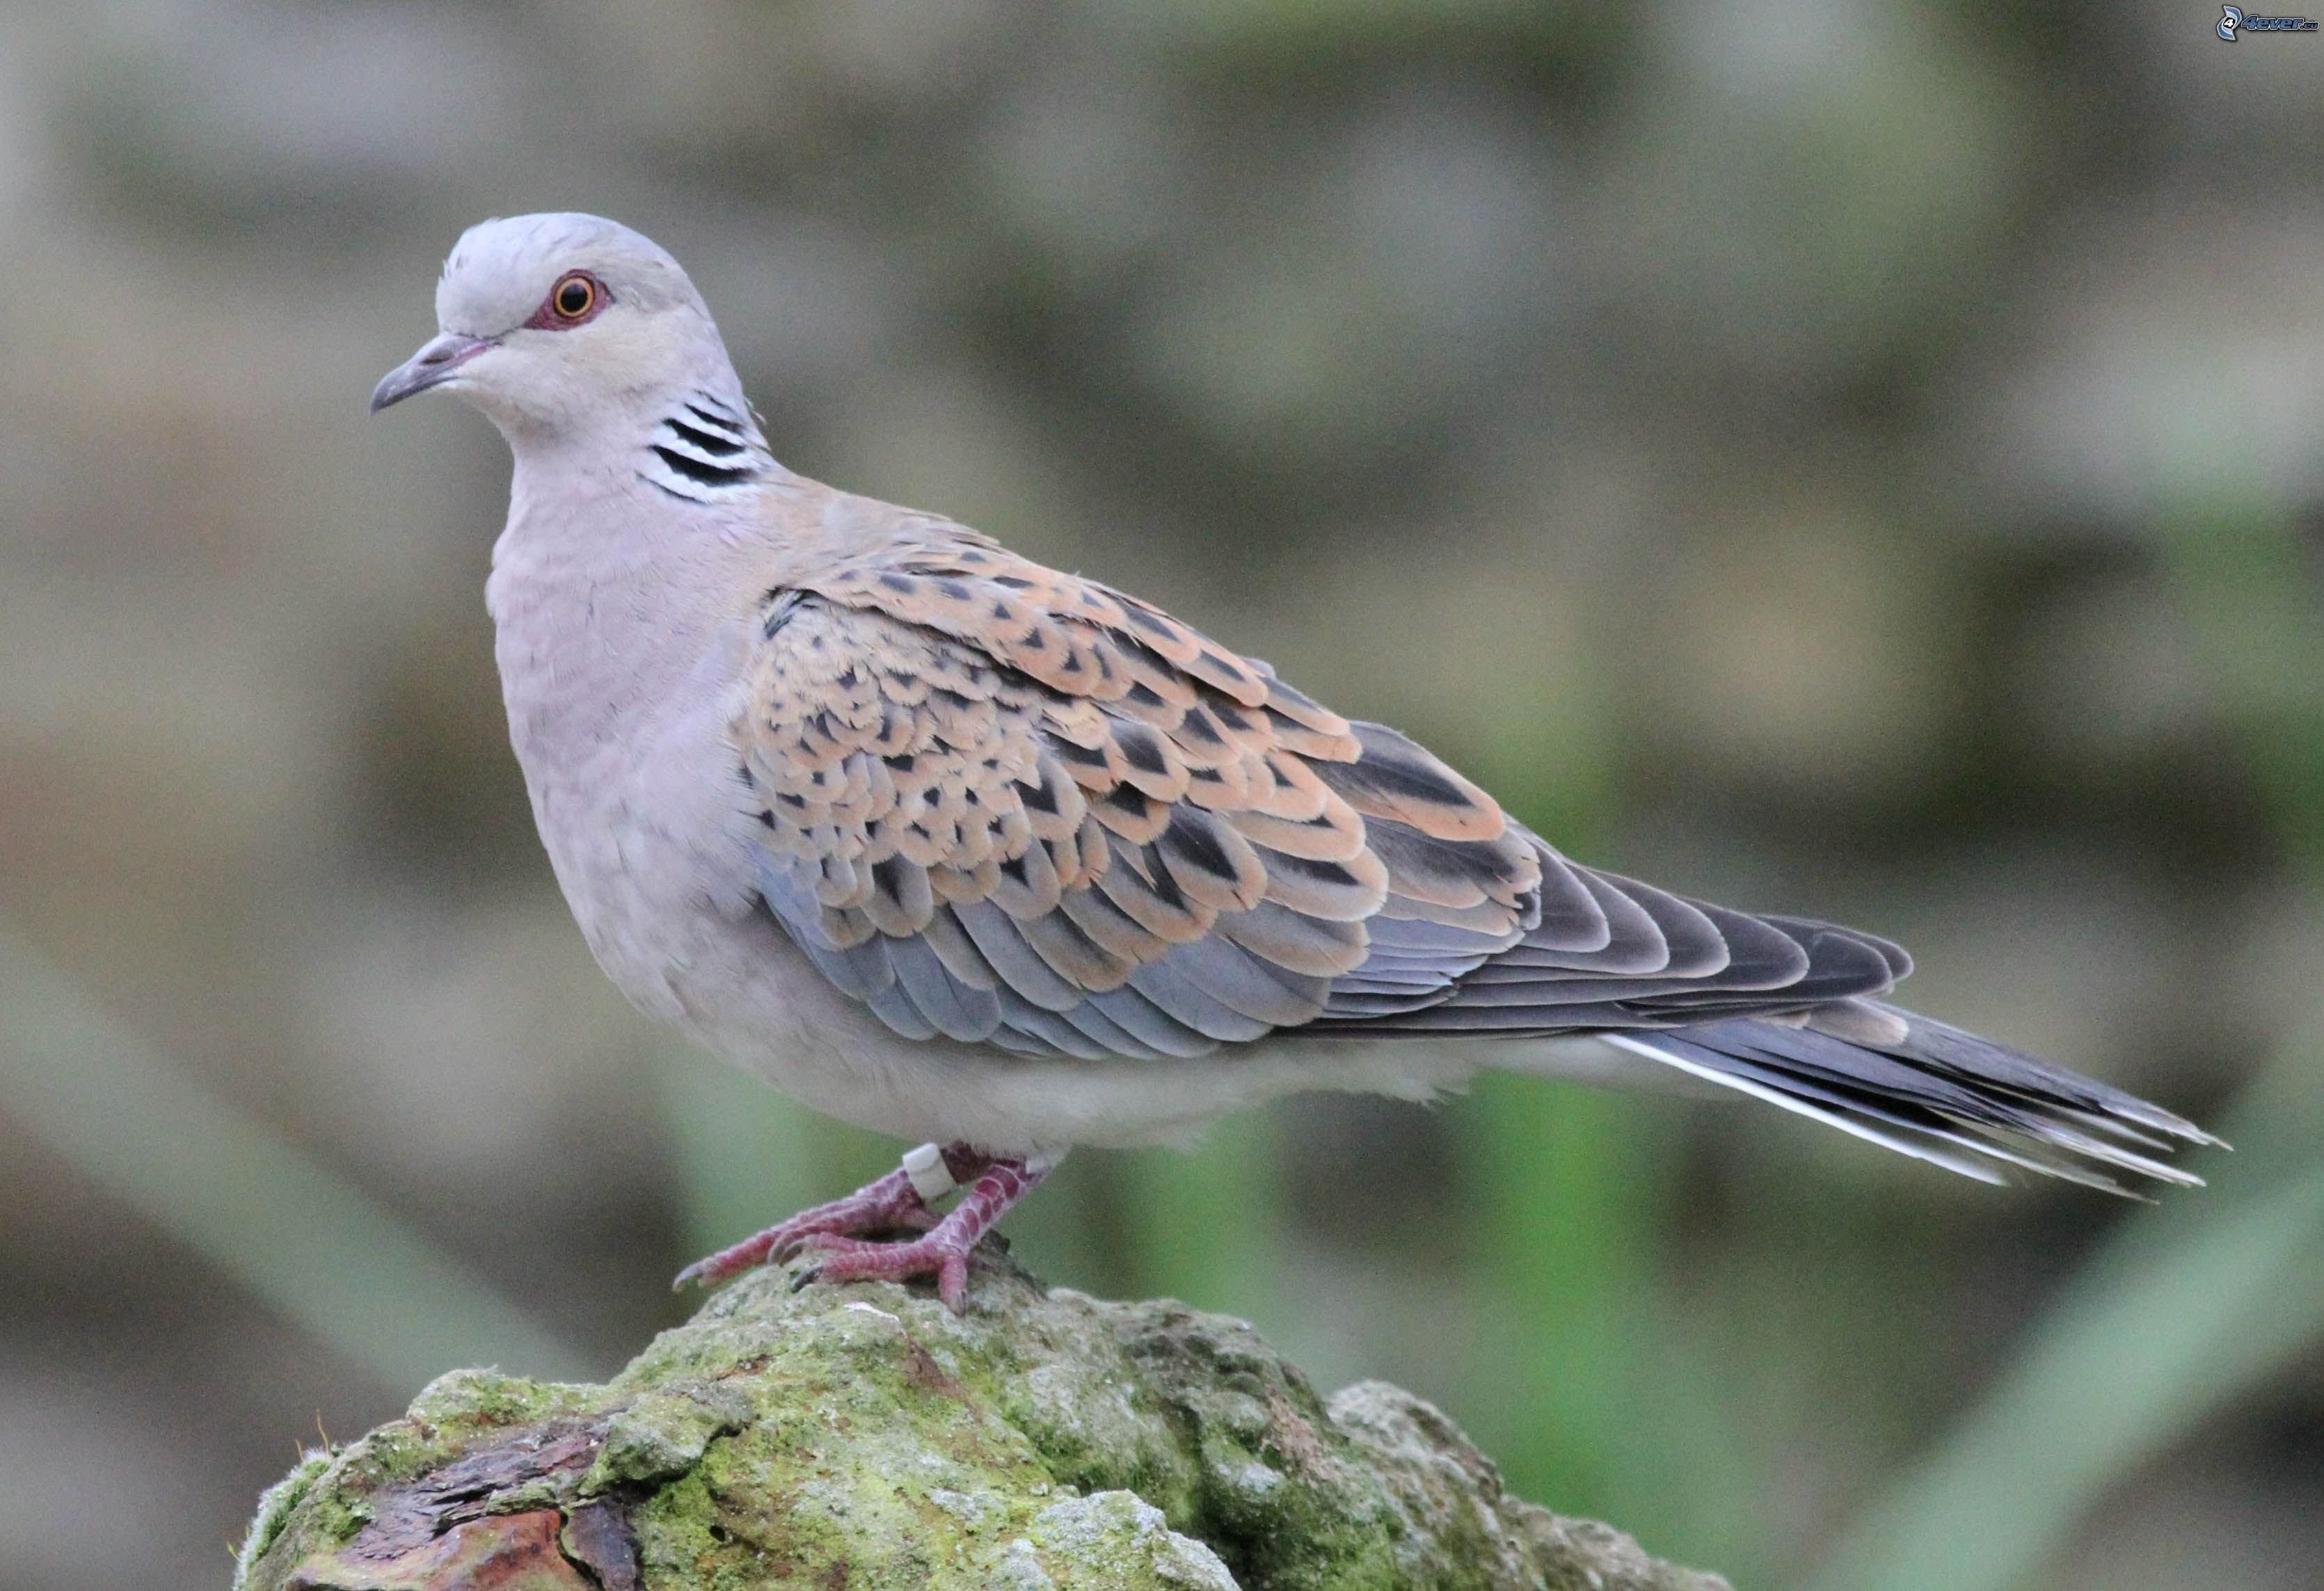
(1932, 1092)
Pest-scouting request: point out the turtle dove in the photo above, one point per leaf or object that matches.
(957, 847)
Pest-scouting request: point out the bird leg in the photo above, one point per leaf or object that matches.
(943, 1249)
(892, 1203)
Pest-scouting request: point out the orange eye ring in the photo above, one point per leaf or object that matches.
(577, 297)
(574, 296)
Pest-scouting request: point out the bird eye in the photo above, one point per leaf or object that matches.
(576, 297)
(573, 297)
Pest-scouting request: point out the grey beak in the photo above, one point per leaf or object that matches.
(436, 362)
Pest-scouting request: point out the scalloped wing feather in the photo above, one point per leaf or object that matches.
(992, 795)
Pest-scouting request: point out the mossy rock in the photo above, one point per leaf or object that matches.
(864, 1437)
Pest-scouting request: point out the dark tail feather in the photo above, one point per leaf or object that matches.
(1934, 1092)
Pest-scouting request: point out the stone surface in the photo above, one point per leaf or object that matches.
(864, 1437)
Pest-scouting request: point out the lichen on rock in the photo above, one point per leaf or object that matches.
(866, 1437)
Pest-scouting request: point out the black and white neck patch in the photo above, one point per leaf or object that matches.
(702, 448)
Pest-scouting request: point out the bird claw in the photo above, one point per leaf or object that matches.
(887, 1205)
(790, 1247)
(941, 1252)
(892, 1203)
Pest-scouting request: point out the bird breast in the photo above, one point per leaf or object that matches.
(620, 682)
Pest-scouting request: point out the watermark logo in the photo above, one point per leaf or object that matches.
(2235, 21)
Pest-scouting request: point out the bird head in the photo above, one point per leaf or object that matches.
(548, 322)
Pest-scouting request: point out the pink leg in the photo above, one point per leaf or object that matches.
(883, 1205)
(943, 1250)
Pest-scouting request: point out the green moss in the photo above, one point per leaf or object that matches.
(275, 1505)
(681, 1542)
(867, 1438)
(1112, 1540)
(464, 1402)
(664, 1432)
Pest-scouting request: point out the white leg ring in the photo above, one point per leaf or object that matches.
(931, 1179)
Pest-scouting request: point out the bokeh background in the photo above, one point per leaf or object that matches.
(1853, 459)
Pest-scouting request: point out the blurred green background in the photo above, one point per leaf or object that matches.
(1848, 458)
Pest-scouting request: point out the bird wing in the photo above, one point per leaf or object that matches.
(1012, 806)
(1006, 804)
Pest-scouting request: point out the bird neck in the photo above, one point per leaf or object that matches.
(616, 597)
(661, 488)
(626, 527)
(702, 446)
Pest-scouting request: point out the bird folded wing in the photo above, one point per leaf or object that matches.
(1001, 803)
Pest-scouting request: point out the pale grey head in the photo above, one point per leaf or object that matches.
(560, 324)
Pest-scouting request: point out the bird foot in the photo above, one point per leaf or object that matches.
(890, 1204)
(941, 1252)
